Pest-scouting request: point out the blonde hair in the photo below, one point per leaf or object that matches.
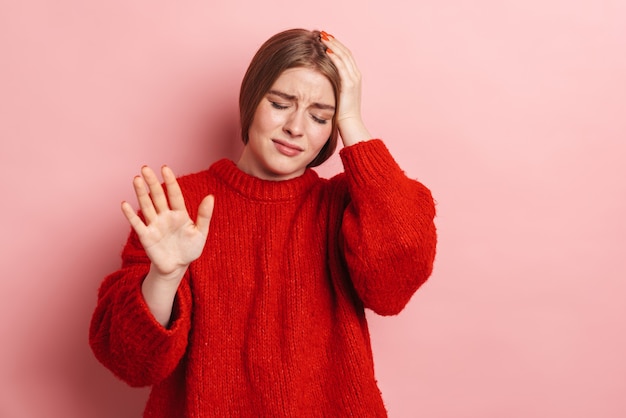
(292, 48)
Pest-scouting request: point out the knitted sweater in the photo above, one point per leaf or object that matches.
(269, 321)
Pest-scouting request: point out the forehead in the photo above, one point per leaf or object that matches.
(305, 84)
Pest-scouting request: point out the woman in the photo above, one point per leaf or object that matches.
(257, 307)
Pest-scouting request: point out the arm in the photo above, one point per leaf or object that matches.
(388, 234)
(170, 238)
(124, 334)
(140, 326)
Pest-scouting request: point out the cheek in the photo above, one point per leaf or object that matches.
(322, 133)
(264, 119)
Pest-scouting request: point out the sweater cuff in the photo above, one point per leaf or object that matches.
(142, 325)
(369, 163)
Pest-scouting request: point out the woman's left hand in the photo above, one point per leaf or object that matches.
(349, 120)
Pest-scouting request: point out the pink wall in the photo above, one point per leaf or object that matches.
(514, 115)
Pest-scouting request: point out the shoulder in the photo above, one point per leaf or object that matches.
(336, 188)
(197, 184)
(210, 173)
(193, 179)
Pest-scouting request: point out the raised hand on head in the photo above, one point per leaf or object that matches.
(349, 120)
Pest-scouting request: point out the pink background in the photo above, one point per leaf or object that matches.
(514, 113)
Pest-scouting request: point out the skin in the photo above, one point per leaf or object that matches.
(285, 136)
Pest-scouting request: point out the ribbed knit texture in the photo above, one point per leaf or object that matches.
(269, 321)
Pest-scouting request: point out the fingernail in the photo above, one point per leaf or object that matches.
(330, 51)
(324, 35)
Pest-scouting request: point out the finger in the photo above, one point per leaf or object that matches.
(331, 42)
(135, 221)
(205, 212)
(143, 198)
(156, 190)
(345, 63)
(339, 52)
(174, 194)
(349, 73)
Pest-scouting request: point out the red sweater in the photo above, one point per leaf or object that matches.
(270, 321)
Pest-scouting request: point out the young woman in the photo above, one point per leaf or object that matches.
(243, 287)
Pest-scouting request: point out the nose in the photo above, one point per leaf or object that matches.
(294, 125)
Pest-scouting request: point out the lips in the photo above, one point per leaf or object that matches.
(286, 148)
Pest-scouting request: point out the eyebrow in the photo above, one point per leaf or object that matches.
(295, 99)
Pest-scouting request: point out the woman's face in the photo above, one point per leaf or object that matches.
(291, 124)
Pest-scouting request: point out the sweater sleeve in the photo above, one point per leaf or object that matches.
(124, 335)
(388, 233)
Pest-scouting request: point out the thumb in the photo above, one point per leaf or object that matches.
(205, 211)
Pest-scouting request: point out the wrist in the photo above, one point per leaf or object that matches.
(159, 292)
(353, 130)
(172, 278)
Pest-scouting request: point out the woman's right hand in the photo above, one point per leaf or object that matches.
(168, 235)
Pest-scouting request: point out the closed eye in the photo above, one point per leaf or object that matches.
(319, 120)
(278, 106)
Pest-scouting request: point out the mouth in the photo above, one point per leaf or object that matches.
(287, 148)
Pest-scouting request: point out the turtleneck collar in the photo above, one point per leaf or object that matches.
(255, 188)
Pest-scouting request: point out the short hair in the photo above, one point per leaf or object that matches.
(293, 48)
